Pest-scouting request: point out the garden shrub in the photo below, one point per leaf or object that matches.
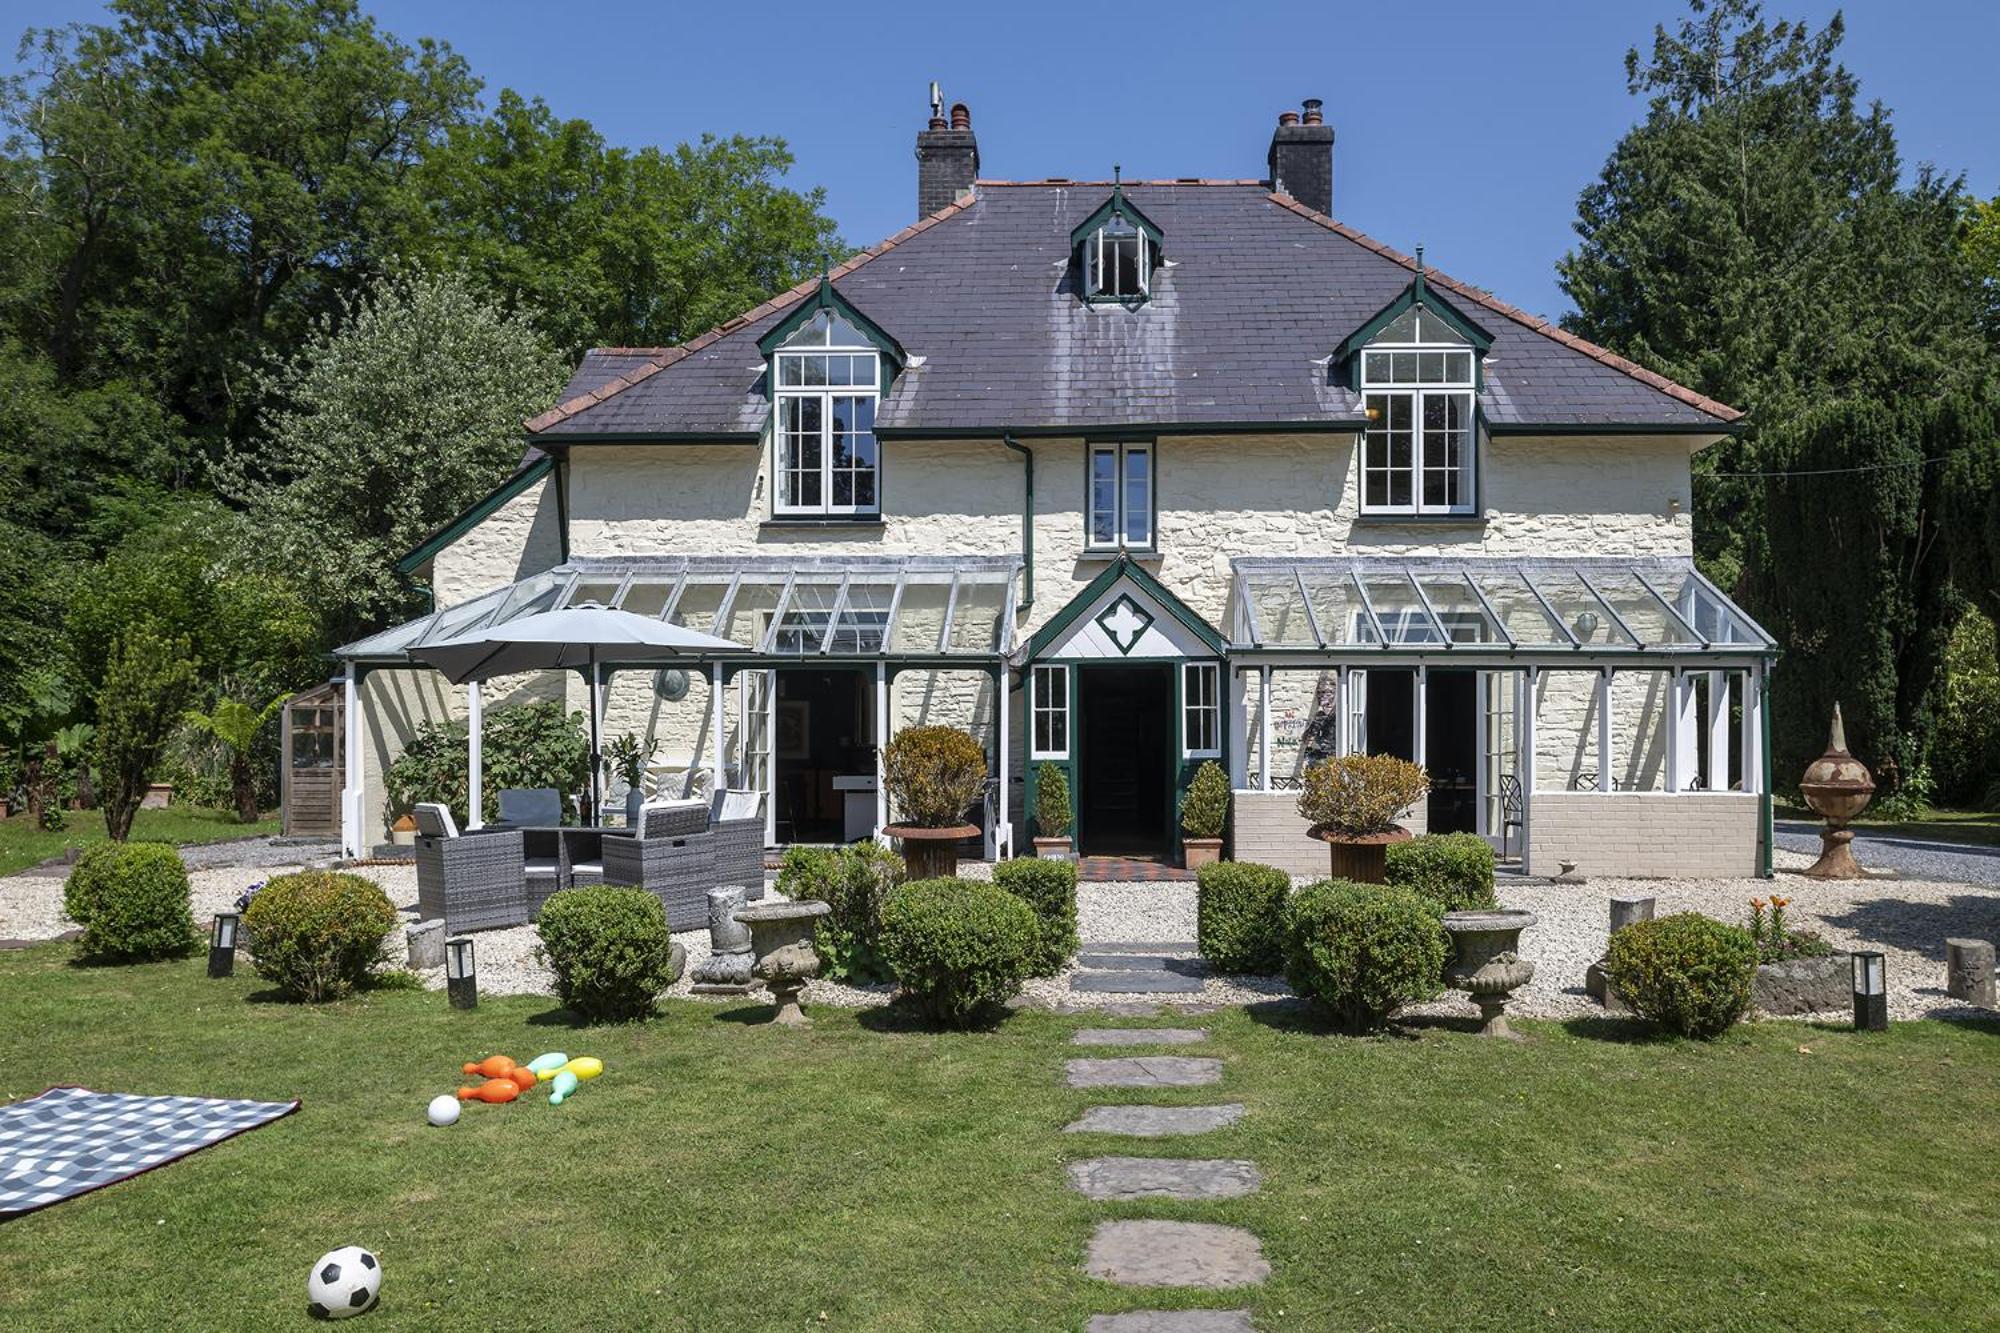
(934, 775)
(1363, 950)
(1205, 808)
(610, 950)
(1240, 916)
(958, 947)
(1052, 810)
(132, 900)
(1453, 870)
(854, 881)
(316, 934)
(521, 745)
(1049, 890)
(1359, 794)
(1688, 973)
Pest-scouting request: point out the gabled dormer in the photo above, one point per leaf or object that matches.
(1115, 250)
(1417, 365)
(827, 366)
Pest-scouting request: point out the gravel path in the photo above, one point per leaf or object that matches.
(1908, 919)
(1918, 858)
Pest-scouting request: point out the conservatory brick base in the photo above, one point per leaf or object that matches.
(1645, 835)
(1265, 827)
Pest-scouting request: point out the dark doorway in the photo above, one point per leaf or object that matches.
(821, 732)
(1392, 719)
(1451, 749)
(1124, 767)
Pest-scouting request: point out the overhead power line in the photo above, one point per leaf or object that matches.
(1825, 471)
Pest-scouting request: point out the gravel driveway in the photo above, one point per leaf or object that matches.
(1919, 858)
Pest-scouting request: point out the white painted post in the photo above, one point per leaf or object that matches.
(881, 746)
(1002, 835)
(1420, 718)
(1264, 727)
(1683, 741)
(1239, 735)
(1605, 729)
(1529, 679)
(1718, 731)
(1753, 730)
(351, 838)
(1343, 725)
(716, 689)
(475, 775)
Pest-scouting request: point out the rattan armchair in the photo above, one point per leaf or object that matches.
(671, 855)
(471, 881)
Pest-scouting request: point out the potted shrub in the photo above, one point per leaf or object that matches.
(1052, 817)
(934, 776)
(1204, 812)
(629, 758)
(1352, 803)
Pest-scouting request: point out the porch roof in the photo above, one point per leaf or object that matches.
(1586, 610)
(915, 607)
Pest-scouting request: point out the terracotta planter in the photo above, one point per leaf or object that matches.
(1361, 859)
(931, 853)
(1053, 849)
(1197, 852)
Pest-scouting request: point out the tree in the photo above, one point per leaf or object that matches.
(393, 420)
(612, 246)
(148, 682)
(1752, 238)
(236, 725)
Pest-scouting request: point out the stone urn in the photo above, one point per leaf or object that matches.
(1486, 962)
(726, 970)
(781, 940)
(1837, 786)
(931, 853)
(1362, 858)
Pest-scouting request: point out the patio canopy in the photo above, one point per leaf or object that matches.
(1595, 610)
(908, 608)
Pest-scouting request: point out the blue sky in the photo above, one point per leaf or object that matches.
(1470, 127)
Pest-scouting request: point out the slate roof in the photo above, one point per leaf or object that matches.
(1256, 293)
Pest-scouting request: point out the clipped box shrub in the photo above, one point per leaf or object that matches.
(854, 881)
(1240, 916)
(132, 900)
(934, 775)
(958, 948)
(1049, 890)
(1363, 950)
(1688, 973)
(315, 934)
(610, 950)
(1453, 870)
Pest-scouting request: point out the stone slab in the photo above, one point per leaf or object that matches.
(1175, 1254)
(1138, 1036)
(1172, 1321)
(1197, 1179)
(1145, 946)
(1135, 983)
(1145, 1071)
(1140, 962)
(1156, 1122)
(1804, 986)
(1111, 1008)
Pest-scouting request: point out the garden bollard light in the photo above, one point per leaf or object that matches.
(461, 983)
(1871, 995)
(222, 945)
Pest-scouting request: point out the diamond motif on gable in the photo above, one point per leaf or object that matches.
(1123, 622)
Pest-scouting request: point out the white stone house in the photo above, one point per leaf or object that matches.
(1125, 477)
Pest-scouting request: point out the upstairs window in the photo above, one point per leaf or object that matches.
(1419, 450)
(1120, 499)
(826, 380)
(1117, 248)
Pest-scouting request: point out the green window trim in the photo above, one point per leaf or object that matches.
(475, 514)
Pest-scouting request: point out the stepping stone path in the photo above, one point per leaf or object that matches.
(1148, 1252)
(1140, 969)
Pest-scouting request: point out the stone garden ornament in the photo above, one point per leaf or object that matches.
(726, 970)
(1838, 788)
(1486, 962)
(781, 937)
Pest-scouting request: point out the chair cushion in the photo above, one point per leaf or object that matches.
(734, 804)
(532, 806)
(434, 820)
(661, 819)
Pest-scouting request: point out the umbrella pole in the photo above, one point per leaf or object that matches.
(596, 758)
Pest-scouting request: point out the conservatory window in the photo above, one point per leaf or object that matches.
(1117, 261)
(827, 379)
(1419, 450)
(1121, 497)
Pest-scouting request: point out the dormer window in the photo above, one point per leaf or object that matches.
(1116, 248)
(828, 369)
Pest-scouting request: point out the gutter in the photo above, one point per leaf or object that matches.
(1027, 520)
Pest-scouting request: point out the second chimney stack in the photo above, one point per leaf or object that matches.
(947, 161)
(1301, 157)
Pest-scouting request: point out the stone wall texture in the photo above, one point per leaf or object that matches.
(1642, 835)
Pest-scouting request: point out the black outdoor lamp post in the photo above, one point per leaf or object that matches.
(222, 944)
(461, 984)
(1871, 995)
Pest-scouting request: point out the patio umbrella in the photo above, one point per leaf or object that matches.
(574, 638)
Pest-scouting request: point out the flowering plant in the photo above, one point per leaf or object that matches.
(1777, 943)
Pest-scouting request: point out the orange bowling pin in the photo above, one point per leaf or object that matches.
(493, 1066)
(495, 1090)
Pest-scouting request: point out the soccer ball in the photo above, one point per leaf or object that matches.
(344, 1282)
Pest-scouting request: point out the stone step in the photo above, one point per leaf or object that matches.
(1197, 1179)
(1172, 1321)
(1155, 1122)
(1145, 1071)
(1140, 962)
(1175, 1254)
(1135, 983)
(1145, 946)
(1138, 1036)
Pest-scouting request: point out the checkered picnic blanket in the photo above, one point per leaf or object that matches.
(69, 1141)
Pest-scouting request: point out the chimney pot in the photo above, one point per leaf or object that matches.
(961, 116)
(947, 159)
(1313, 116)
(1288, 117)
(1301, 157)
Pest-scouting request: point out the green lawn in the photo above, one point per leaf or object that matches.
(1978, 827)
(22, 844)
(729, 1176)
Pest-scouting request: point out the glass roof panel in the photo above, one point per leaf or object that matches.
(1464, 619)
(976, 625)
(648, 597)
(1641, 611)
(1579, 609)
(1281, 616)
(1398, 610)
(920, 615)
(700, 600)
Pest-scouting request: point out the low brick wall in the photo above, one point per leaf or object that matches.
(1644, 835)
(1265, 827)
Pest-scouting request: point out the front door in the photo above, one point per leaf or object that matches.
(1125, 762)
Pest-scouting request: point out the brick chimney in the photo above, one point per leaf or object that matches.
(947, 157)
(1301, 157)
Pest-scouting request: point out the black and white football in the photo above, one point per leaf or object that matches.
(343, 1283)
